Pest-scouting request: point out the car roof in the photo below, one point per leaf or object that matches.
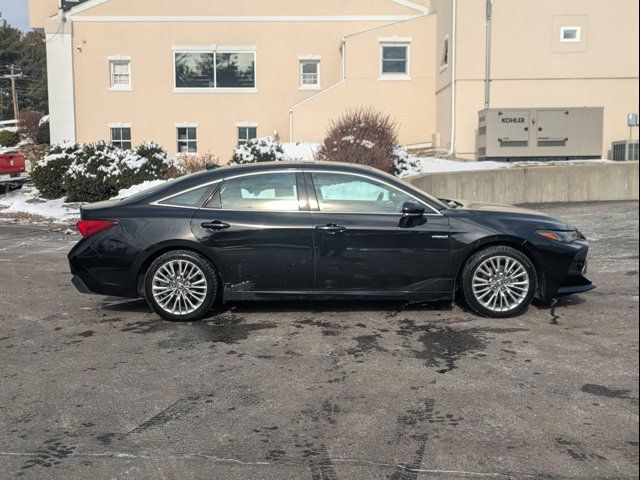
(295, 164)
(195, 180)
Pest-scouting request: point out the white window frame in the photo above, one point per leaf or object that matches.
(113, 59)
(566, 28)
(306, 59)
(186, 125)
(120, 125)
(215, 49)
(446, 48)
(240, 125)
(395, 42)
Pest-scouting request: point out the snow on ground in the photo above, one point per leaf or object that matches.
(438, 165)
(300, 151)
(127, 192)
(27, 201)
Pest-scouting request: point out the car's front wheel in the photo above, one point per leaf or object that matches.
(181, 286)
(499, 281)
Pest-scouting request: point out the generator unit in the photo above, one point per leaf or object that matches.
(540, 133)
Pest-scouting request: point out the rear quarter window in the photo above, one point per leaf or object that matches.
(191, 198)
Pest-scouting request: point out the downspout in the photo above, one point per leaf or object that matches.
(343, 50)
(454, 46)
(487, 68)
(291, 125)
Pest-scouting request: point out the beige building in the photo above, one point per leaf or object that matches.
(207, 75)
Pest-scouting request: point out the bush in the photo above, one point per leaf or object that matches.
(362, 136)
(192, 163)
(33, 153)
(42, 134)
(159, 164)
(403, 163)
(28, 124)
(47, 173)
(264, 149)
(9, 138)
(98, 171)
(103, 170)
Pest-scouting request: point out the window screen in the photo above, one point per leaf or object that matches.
(121, 137)
(395, 59)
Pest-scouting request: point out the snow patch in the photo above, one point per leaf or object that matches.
(27, 201)
(127, 192)
(423, 165)
(300, 151)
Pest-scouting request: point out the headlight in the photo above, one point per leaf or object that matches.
(563, 236)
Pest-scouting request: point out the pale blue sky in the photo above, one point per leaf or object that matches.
(16, 12)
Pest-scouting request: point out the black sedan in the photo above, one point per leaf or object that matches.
(299, 230)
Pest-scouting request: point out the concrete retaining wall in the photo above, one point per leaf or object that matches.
(536, 184)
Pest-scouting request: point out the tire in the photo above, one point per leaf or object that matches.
(181, 286)
(499, 282)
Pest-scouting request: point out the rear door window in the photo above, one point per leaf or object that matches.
(270, 192)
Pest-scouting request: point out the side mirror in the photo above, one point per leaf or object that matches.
(410, 209)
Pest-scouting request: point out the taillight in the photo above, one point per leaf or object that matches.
(91, 227)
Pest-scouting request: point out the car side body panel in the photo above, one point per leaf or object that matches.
(269, 255)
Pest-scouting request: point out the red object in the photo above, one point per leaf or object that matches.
(11, 163)
(549, 235)
(91, 227)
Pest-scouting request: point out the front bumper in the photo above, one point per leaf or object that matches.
(564, 268)
(80, 285)
(575, 284)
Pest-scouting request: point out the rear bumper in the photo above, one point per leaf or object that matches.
(93, 273)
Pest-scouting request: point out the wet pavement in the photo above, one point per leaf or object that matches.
(100, 388)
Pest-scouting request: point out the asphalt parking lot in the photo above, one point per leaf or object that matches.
(100, 388)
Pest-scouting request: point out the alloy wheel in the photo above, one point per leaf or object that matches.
(500, 283)
(179, 287)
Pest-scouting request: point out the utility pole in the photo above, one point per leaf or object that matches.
(14, 94)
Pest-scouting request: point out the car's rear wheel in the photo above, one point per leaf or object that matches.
(499, 281)
(181, 286)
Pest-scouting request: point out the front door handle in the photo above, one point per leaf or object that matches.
(215, 225)
(331, 228)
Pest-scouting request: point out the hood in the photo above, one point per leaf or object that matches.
(508, 211)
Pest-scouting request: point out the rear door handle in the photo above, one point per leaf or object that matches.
(215, 225)
(331, 228)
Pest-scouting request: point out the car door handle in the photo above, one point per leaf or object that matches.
(215, 225)
(331, 228)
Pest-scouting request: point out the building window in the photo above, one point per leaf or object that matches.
(224, 70)
(121, 137)
(246, 133)
(395, 60)
(309, 74)
(570, 34)
(187, 139)
(120, 71)
(444, 63)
